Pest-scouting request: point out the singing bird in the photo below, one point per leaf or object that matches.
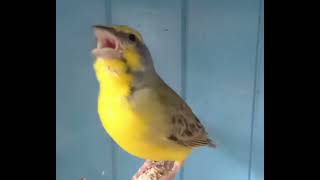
(140, 112)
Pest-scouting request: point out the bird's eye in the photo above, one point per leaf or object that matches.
(132, 37)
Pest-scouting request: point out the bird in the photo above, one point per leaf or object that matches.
(137, 108)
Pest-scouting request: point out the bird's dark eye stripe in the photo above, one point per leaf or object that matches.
(132, 37)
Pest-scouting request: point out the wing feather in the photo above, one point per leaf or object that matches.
(187, 130)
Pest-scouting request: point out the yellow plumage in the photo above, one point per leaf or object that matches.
(133, 128)
(138, 110)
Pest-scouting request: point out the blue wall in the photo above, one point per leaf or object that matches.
(209, 51)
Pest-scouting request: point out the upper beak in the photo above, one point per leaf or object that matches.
(106, 37)
(105, 28)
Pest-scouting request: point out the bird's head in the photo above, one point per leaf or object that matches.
(122, 43)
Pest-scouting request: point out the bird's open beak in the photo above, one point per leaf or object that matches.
(106, 37)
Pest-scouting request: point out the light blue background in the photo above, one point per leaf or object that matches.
(209, 51)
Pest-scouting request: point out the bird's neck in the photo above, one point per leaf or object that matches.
(113, 77)
(117, 79)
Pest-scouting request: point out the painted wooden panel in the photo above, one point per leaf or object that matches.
(206, 50)
(82, 147)
(221, 56)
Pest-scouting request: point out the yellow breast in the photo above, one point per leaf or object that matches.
(139, 128)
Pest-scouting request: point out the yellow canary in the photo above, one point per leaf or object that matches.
(140, 112)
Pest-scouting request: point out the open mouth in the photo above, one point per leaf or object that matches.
(106, 38)
(108, 42)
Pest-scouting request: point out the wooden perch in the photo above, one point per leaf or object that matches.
(158, 170)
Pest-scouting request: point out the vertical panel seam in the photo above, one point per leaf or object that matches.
(183, 47)
(108, 15)
(255, 88)
(184, 21)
